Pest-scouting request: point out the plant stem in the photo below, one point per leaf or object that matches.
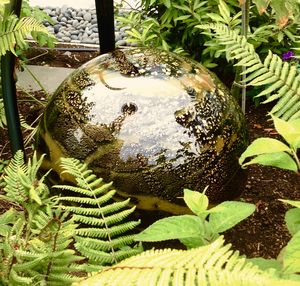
(235, 90)
(294, 153)
(36, 79)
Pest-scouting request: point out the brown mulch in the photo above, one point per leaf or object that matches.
(264, 233)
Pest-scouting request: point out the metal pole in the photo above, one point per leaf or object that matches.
(9, 90)
(106, 25)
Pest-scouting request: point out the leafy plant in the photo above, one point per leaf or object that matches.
(202, 228)
(213, 264)
(272, 152)
(38, 235)
(171, 25)
(283, 10)
(42, 17)
(280, 78)
(290, 253)
(13, 31)
(35, 237)
(103, 236)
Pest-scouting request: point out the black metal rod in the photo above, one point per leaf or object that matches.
(106, 25)
(9, 90)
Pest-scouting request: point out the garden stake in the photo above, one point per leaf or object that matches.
(9, 90)
(245, 25)
(106, 27)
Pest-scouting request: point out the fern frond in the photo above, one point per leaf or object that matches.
(2, 113)
(108, 220)
(105, 245)
(214, 265)
(14, 191)
(20, 280)
(280, 78)
(90, 201)
(14, 31)
(98, 257)
(6, 221)
(112, 231)
(101, 217)
(112, 208)
(61, 279)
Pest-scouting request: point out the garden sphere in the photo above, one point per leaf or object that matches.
(152, 122)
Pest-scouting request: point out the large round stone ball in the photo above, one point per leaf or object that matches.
(152, 122)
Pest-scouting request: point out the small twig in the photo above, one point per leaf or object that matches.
(31, 96)
(28, 60)
(36, 79)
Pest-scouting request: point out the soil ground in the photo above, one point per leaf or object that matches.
(264, 233)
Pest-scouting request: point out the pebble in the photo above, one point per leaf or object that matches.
(87, 16)
(79, 26)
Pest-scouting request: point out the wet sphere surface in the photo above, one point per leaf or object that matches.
(152, 122)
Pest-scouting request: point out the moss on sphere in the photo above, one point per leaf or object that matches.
(152, 122)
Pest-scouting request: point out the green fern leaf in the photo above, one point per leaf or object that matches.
(2, 113)
(213, 265)
(105, 245)
(113, 231)
(272, 73)
(14, 31)
(271, 88)
(114, 207)
(108, 220)
(19, 280)
(90, 201)
(104, 230)
(6, 220)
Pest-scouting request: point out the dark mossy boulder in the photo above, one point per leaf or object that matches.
(152, 122)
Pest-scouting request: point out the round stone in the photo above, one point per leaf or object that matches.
(63, 9)
(66, 39)
(150, 121)
(118, 36)
(75, 23)
(59, 35)
(87, 16)
(74, 37)
(56, 28)
(94, 21)
(121, 43)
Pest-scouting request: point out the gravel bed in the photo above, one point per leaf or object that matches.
(80, 26)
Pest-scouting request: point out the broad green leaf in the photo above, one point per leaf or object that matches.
(261, 5)
(292, 219)
(216, 17)
(207, 238)
(174, 227)
(265, 264)
(290, 130)
(227, 214)
(280, 160)
(292, 203)
(183, 17)
(281, 12)
(167, 3)
(291, 255)
(263, 145)
(224, 11)
(197, 202)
